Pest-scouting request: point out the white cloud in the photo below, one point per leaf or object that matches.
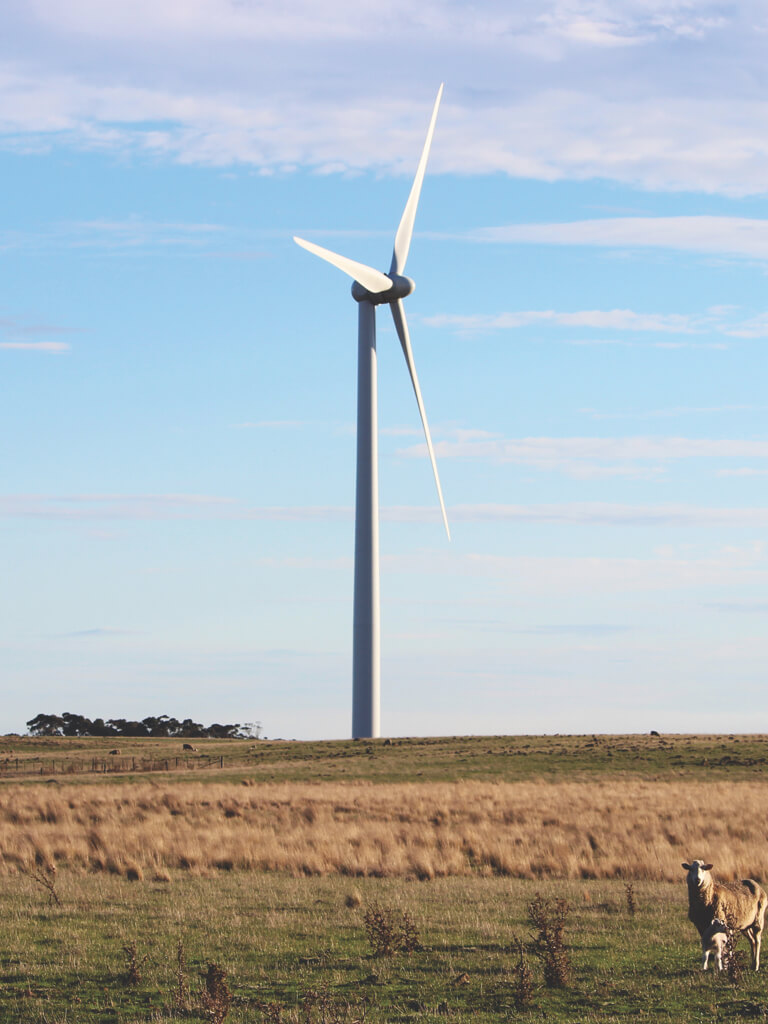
(179, 506)
(37, 346)
(110, 506)
(607, 514)
(584, 576)
(587, 457)
(270, 425)
(716, 320)
(740, 236)
(298, 84)
(587, 575)
(672, 412)
(610, 319)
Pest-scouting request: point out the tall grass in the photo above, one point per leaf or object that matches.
(609, 828)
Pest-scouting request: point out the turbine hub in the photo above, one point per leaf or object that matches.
(401, 286)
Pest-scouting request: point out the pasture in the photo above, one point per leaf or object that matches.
(269, 868)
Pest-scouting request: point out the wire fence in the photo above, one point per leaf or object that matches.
(111, 764)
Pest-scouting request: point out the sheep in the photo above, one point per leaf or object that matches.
(741, 904)
(188, 746)
(713, 941)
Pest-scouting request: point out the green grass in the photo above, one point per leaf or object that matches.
(509, 758)
(280, 938)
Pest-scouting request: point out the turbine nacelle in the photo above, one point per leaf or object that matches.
(401, 286)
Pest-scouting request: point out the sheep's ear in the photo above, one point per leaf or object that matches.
(707, 867)
(687, 867)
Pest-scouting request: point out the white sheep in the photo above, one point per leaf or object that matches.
(713, 942)
(741, 904)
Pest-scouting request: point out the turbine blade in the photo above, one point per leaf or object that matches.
(405, 230)
(369, 278)
(398, 315)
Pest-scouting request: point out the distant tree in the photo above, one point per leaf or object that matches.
(70, 724)
(46, 725)
(76, 725)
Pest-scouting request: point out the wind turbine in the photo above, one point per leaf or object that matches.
(371, 288)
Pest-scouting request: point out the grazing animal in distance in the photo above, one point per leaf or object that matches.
(713, 942)
(188, 746)
(741, 905)
(115, 751)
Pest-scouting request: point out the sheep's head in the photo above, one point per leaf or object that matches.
(697, 873)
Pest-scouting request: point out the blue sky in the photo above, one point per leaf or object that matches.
(588, 326)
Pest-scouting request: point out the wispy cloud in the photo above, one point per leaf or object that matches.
(134, 233)
(220, 83)
(725, 321)
(19, 332)
(111, 506)
(734, 236)
(269, 425)
(587, 575)
(99, 633)
(610, 319)
(37, 346)
(609, 514)
(743, 471)
(595, 456)
(673, 412)
(162, 507)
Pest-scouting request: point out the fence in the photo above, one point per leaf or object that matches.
(20, 766)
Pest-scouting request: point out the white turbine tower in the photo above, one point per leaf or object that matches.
(371, 289)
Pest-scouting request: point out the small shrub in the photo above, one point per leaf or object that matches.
(629, 892)
(216, 998)
(181, 997)
(548, 917)
(381, 930)
(44, 875)
(134, 964)
(134, 873)
(523, 987)
(353, 900)
(410, 940)
(390, 932)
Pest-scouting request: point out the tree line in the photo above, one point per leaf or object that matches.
(162, 725)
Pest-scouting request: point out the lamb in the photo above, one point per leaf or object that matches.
(713, 941)
(741, 905)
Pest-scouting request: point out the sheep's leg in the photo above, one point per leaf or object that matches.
(705, 960)
(719, 960)
(758, 941)
(753, 940)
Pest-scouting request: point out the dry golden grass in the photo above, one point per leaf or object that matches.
(614, 828)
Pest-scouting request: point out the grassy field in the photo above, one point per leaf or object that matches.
(449, 759)
(267, 867)
(281, 939)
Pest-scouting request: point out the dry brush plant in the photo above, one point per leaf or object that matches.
(609, 828)
(46, 877)
(215, 999)
(390, 931)
(523, 988)
(133, 964)
(629, 894)
(548, 918)
(316, 1007)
